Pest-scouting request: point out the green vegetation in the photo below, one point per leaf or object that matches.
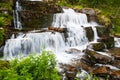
(109, 10)
(41, 67)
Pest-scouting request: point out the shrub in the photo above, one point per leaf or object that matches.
(41, 67)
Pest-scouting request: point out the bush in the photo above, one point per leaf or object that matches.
(41, 67)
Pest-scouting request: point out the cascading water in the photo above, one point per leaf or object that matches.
(17, 22)
(55, 41)
(117, 42)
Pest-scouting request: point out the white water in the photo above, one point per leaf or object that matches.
(34, 42)
(117, 42)
(17, 22)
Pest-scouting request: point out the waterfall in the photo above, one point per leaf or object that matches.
(33, 42)
(117, 42)
(17, 22)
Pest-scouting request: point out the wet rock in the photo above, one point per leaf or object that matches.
(84, 65)
(102, 31)
(92, 17)
(115, 52)
(102, 71)
(73, 50)
(108, 41)
(97, 46)
(89, 33)
(116, 63)
(115, 73)
(97, 57)
(70, 71)
(2, 51)
(58, 29)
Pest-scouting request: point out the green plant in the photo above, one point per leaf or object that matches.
(2, 34)
(41, 67)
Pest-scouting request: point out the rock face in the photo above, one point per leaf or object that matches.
(89, 33)
(37, 14)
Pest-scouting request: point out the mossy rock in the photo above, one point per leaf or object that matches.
(97, 46)
(102, 31)
(89, 33)
(108, 41)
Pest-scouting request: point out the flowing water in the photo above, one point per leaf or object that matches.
(117, 42)
(31, 42)
(66, 48)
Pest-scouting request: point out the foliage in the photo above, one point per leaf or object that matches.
(2, 34)
(41, 67)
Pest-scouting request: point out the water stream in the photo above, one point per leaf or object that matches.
(75, 23)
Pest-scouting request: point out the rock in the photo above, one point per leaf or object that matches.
(97, 46)
(89, 11)
(101, 71)
(108, 41)
(73, 50)
(40, 6)
(98, 58)
(115, 52)
(115, 73)
(2, 51)
(116, 63)
(82, 64)
(58, 29)
(39, 20)
(89, 33)
(92, 17)
(70, 71)
(102, 31)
